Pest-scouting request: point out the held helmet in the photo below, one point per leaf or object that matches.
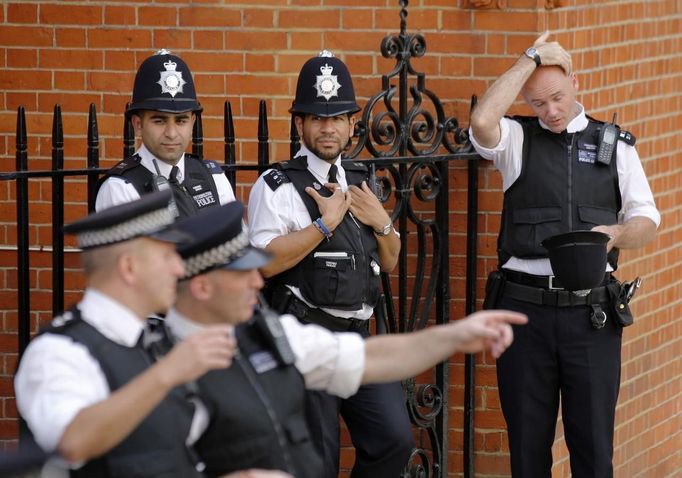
(164, 83)
(578, 258)
(324, 88)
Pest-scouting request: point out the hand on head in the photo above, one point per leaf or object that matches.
(552, 53)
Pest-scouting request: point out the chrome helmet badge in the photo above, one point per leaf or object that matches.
(327, 84)
(171, 80)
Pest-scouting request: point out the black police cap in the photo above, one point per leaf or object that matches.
(164, 83)
(149, 216)
(578, 258)
(220, 239)
(324, 88)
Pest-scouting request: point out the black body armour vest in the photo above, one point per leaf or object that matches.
(340, 272)
(156, 448)
(195, 192)
(561, 188)
(257, 413)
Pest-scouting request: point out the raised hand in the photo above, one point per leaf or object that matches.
(551, 53)
(332, 208)
(367, 208)
(209, 349)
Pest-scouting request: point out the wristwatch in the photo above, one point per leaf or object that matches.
(385, 231)
(532, 53)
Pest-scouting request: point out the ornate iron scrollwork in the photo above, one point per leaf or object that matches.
(405, 129)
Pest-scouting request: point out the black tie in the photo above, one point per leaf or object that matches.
(332, 174)
(173, 177)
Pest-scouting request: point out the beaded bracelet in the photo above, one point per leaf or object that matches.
(322, 228)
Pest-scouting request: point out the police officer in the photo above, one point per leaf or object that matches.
(163, 111)
(257, 406)
(562, 171)
(330, 237)
(86, 386)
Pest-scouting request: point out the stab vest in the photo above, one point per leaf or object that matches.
(561, 188)
(156, 448)
(339, 273)
(195, 192)
(256, 426)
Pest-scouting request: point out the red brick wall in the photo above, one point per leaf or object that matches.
(628, 57)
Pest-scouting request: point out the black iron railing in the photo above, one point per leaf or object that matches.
(408, 144)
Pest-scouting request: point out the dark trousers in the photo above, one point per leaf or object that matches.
(379, 427)
(559, 354)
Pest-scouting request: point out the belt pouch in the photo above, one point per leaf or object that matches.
(619, 303)
(493, 289)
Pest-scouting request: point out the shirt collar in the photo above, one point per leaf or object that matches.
(578, 123)
(111, 318)
(320, 167)
(181, 326)
(148, 162)
(316, 165)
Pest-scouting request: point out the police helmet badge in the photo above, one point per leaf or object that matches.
(327, 84)
(171, 80)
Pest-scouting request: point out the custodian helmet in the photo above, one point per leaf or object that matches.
(324, 88)
(578, 258)
(164, 83)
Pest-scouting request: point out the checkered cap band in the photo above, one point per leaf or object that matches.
(220, 255)
(148, 223)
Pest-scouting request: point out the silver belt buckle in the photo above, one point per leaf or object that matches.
(551, 284)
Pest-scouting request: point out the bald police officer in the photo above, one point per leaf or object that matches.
(330, 237)
(561, 172)
(163, 111)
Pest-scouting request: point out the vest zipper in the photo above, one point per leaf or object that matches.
(251, 376)
(570, 183)
(367, 259)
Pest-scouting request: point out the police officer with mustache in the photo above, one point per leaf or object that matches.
(330, 238)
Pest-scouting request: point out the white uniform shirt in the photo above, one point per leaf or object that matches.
(279, 212)
(333, 362)
(507, 156)
(116, 190)
(57, 377)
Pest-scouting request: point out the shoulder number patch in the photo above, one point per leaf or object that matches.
(275, 178)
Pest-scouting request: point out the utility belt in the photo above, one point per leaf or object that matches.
(313, 315)
(283, 300)
(611, 296)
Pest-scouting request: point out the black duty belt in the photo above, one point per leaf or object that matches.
(545, 282)
(313, 315)
(553, 297)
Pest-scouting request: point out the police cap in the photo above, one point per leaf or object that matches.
(324, 88)
(149, 216)
(578, 258)
(220, 240)
(164, 83)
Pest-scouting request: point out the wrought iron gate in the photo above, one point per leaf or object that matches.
(411, 142)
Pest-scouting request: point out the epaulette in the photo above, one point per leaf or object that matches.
(299, 163)
(61, 322)
(354, 166)
(627, 137)
(275, 178)
(624, 136)
(123, 166)
(213, 166)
